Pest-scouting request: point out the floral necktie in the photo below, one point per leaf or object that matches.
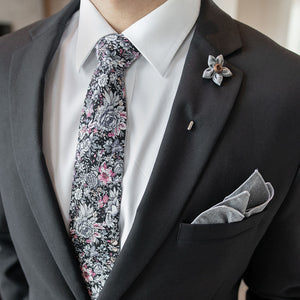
(99, 163)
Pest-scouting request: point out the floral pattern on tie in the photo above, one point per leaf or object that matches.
(99, 164)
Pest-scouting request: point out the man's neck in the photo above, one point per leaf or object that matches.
(120, 14)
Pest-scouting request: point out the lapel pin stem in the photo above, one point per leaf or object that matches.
(190, 125)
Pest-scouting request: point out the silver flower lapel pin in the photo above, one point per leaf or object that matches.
(215, 70)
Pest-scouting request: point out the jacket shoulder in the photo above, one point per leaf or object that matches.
(264, 50)
(270, 70)
(13, 41)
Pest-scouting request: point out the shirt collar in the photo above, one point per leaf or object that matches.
(157, 36)
(91, 27)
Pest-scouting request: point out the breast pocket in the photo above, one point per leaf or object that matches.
(193, 233)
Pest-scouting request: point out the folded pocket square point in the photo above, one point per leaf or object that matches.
(250, 198)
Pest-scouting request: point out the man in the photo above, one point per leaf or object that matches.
(194, 134)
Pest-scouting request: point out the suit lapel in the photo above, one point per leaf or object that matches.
(183, 154)
(26, 113)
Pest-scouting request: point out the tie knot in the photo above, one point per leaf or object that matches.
(115, 50)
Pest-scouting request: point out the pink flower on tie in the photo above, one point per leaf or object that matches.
(86, 273)
(103, 201)
(105, 174)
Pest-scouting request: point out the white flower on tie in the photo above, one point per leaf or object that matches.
(78, 194)
(216, 71)
(85, 221)
(103, 79)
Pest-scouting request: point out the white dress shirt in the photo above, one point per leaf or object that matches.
(163, 38)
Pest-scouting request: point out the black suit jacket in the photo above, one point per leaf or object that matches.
(251, 121)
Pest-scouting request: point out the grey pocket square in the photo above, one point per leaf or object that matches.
(248, 199)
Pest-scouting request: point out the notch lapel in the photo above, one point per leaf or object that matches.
(26, 111)
(183, 154)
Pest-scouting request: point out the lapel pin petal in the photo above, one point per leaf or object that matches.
(216, 71)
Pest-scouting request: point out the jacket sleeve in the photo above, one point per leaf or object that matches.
(13, 284)
(274, 271)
